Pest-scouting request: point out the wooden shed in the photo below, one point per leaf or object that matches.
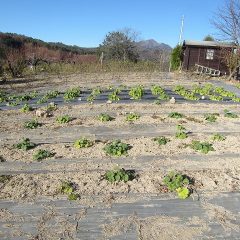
(205, 53)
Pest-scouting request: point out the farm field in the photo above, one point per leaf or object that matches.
(107, 158)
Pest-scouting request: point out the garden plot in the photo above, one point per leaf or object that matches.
(174, 173)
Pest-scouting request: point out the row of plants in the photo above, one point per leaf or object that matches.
(172, 182)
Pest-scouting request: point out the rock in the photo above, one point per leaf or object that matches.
(109, 101)
(172, 100)
(203, 97)
(42, 113)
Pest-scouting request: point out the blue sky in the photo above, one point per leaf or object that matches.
(85, 23)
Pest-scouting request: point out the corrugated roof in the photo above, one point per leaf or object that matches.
(207, 43)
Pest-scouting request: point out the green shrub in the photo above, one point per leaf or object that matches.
(176, 58)
(118, 175)
(116, 148)
(83, 143)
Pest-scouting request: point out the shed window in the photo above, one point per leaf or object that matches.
(210, 53)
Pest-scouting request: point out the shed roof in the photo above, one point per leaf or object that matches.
(207, 43)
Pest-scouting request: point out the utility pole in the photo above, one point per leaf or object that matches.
(181, 31)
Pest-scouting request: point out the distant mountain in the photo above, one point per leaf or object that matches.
(152, 44)
(152, 50)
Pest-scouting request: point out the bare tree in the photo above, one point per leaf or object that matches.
(227, 23)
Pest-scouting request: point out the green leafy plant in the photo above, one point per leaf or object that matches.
(177, 182)
(215, 98)
(72, 93)
(183, 192)
(136, 93)
(32, 124)
(96, 91)
(181, 135)
(63, 119)
(161, 140)
(117, 175)
(114, 96)
(69, 188)
(157, 90)
(130, 117)
(203, 147)
(211, 117)
(218, 137)
(175, 115)
(116, 148)
(91, 98)
(26, 108)
(83, 143)
(42, 154)
(181, 132)
(229, 114)
(25, 144)
(103, 117)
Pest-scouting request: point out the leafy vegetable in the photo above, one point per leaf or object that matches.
(32, 124)
(63, 119)
(83, 143)
(105, 117)
(42, 154)
(132, 117)
(25, 144)
(136, 93)
(116, 148)
(203, 147)
(118, 175)
(161, 140)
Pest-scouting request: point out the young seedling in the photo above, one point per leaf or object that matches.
(177, 182)
(118, 175)
(83, 143)
(157, 90)
(203, 147)
(42, 154)
(136, 93)
(114, 96)
(63, 119)
(175, 115)
(32, 124)
(26, 108)
(69, 188)
(218, 137)
(211, 117)
(181, 132)
(103, 117)
(116, 148)
(130, 117)
(229, 114)
(161, 140)
(25, 144)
